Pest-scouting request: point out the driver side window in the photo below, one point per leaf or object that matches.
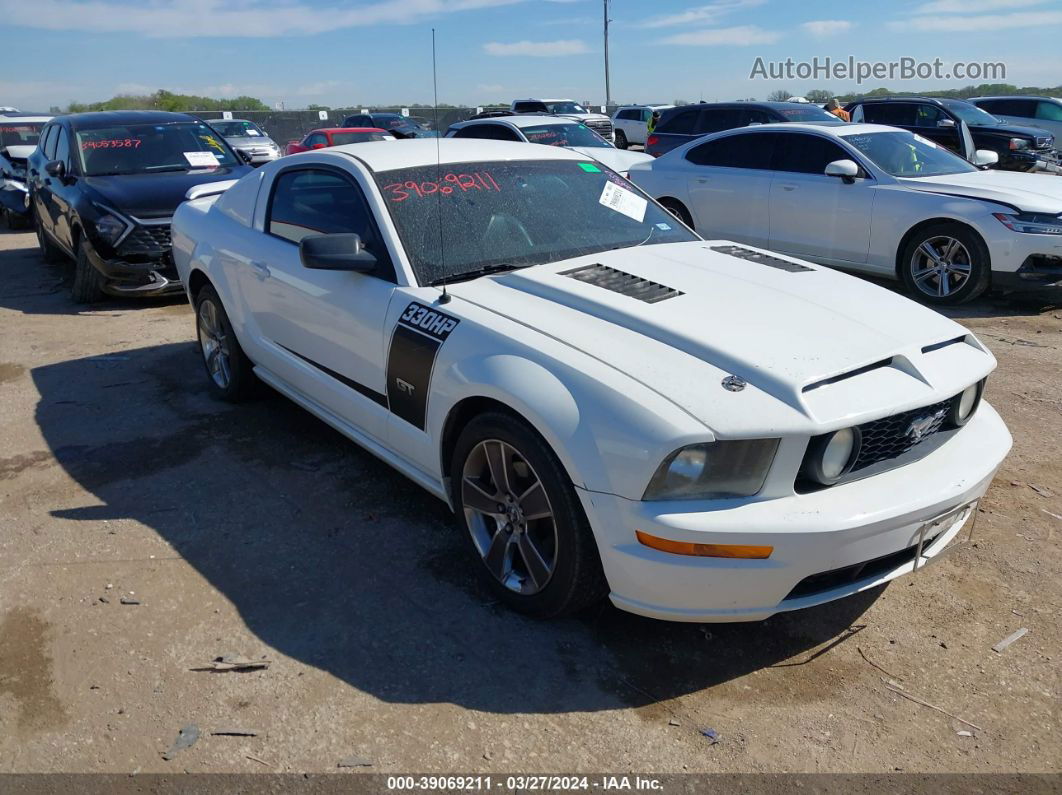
(319, 202)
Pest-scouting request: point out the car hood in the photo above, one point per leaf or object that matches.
(1035, 193)
(1012, 129)
(584, 116)
(155, 195)
(250, 140)
(19, 152)
(616, 159)
(781, 331)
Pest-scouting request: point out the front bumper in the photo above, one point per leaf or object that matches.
(873, 519)
(137, 279)
(1033, 160)
(14, 197)
(1037, 274)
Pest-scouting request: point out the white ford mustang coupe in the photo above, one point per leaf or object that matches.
(610, 404)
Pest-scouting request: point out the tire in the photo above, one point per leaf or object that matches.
(49, 251)
(945, 264)
(567, 575)
(678, 209)
(621, 140)
(88, 282)
(229, 372)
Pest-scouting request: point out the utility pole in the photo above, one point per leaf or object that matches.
(608, 84)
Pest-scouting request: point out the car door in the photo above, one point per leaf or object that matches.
(321, 331)
(729, 186)
(1049, 117)
(41, 183)
(63, 191)
(813, 215)
(938, 125)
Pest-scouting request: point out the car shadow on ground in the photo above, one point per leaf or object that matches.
(334, 559)
(32, 286)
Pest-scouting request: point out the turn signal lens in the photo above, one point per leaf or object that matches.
(704, 550)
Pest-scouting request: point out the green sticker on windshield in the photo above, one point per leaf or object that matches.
(590, 167)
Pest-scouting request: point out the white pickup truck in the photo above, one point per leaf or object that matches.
(568, 109)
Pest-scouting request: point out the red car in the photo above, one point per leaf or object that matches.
(337, 136)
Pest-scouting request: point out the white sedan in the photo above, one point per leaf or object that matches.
(609, 403)
(872, 199)
(550, 131)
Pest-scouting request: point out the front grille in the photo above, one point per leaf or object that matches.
(623, 283)
(146, 241)
(1044, 141)
(602, 127)
(893, 436)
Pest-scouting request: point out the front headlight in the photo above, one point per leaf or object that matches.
(1031, 223)
(714, 470)
(110, 229)
(1018, 143)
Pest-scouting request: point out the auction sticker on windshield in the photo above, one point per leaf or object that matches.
(618, 198)
(202, 159)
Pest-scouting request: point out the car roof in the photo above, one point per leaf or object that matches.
(554, 99)
(387, 156)
(85, 121)
(519, 120)
(10, 116)
(1017, 96)
(246, 121)
(347, 129)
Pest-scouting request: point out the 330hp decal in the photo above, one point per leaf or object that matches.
(416, 340)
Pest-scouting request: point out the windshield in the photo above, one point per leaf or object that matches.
(22, 133)
(338, 139)
(394, 121)
(237, 129)
(457, 219)
(566, 107)
(971, 114)
(564, 135)
(806, 113)
(903, 154)
(151, 148)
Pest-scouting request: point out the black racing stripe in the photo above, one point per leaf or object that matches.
(361, 389)
(409, 367)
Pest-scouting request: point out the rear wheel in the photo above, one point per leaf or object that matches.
(228, 368)
(525, 526)
(621, 140)
(945, 264)
(49, 251)
(678, 209)
(88, 282)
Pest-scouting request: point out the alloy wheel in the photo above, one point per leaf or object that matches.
(508, 513)
(215, 344)
(941, 266)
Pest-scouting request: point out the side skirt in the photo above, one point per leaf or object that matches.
(414, 473)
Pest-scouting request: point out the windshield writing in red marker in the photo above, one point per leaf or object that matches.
(447, 186)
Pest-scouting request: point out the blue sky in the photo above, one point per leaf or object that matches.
(363, 52)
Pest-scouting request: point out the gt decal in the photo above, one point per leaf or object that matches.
(416, 340)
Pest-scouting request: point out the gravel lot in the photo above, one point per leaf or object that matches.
(258, 531)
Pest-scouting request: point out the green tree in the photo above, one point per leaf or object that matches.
(778, 95)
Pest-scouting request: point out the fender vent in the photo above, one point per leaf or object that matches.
(623, 283)
(762, 259)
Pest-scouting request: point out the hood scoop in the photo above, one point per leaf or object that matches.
(763, 259)
(623, 283)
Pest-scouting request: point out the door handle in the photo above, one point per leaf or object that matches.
(702, 180)
(260, 268)
(788, 187)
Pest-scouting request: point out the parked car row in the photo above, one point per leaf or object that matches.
(612, 404)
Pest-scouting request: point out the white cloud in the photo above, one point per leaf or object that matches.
(705, 15)
(978, 23)
(229, 18)
(740, 36)
(822, 28)
(544, 49)
(973, 6)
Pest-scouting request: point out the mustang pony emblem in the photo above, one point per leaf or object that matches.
(920, 426)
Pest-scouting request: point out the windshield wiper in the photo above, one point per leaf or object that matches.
(486, 270)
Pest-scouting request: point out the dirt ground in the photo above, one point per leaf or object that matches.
(258, 531)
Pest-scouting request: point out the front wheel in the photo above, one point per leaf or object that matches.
(88, 282)
(525, 526)
(621, 140)
(945, 264)
(228, 368)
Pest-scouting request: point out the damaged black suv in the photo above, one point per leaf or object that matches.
(104, 186)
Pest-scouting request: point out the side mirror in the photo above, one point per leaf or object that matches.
(339, 252)
(847, 170)
(55, 168)
(985, 157)
(946, 123)
(319, 146)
